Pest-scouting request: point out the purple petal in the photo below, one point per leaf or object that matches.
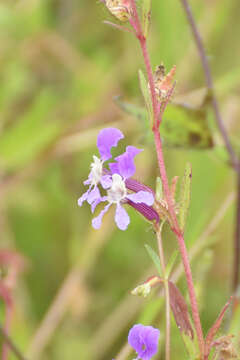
(106, 181)
(121, 218)
(126, 167)
(93, 195)
(134, 338)
(83, 198)
(114, 168)
(94, 204)
(144, 339)
(87, 182)
(107, 138)
(151, 337)
(136, 186)
(147, 211)
(97, 221)
(142, 197)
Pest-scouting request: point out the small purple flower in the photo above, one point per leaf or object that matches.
(107, 139)
(117, 183)
(117, 193)
(144, 340)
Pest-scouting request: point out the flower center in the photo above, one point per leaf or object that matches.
(118, 190)
(96, 170)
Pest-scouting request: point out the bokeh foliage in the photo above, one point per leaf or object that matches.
(60, 68)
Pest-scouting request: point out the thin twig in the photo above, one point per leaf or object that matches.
(235, 161)
(209, 81)
(167, 297)
(11, 344)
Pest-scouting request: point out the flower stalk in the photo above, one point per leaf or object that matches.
(135, 22)
(167, 297)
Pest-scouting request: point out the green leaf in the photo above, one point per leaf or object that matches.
(171, 263)
(146, 16)
(146, 94)
(155, 258)
(186, 127)
(185, 196)
(181, 127)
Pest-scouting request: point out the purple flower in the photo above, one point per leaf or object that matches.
(107, 138)
(117, 183)
(144, 340)
(117, 193)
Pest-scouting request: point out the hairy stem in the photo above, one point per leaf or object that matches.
(235, 161)
(196, 318)
(167, 297)
(10, 344)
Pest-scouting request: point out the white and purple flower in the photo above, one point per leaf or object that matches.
(107, 138)
(144, 340)
(117, 182)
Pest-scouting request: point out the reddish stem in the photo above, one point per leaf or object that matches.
(176, 229)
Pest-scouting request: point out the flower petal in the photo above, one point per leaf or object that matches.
(151, 338)
(136, 186)
(97, 221)
(93, 195)
(134, 338)
(107, 138)
(142, 197)
(147, 211)
(144, 339)
(83, 198)
(125, 162)
(88, 181)
(121, 218)
(94, 204)
(114, 168)
(106, 181)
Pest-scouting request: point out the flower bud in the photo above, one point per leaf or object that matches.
(142, 290)
(163, 82)
(121, 9)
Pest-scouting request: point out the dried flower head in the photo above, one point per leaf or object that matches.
(163, 82)
(121, 9)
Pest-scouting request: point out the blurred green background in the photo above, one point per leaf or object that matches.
(60, 68)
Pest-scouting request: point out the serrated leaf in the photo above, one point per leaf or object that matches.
(155, 258)
(146, 16)
(146, 94)
(171, 263)
(185, 196)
